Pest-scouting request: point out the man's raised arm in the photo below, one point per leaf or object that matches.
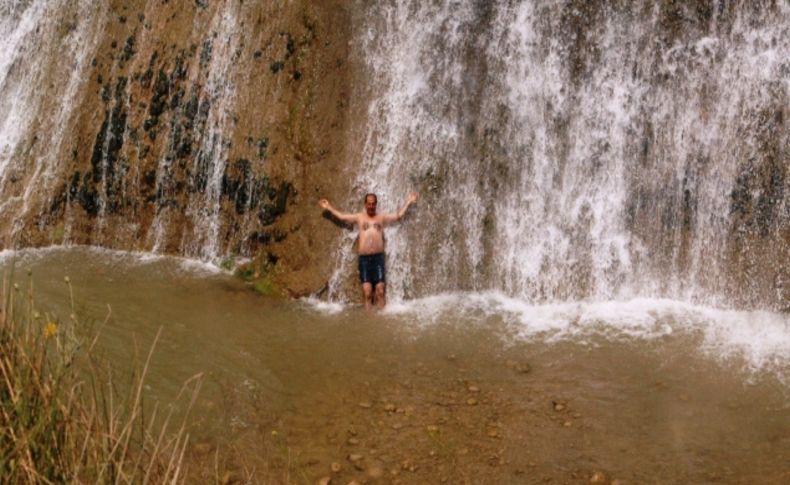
(350, 218)
(399, 215)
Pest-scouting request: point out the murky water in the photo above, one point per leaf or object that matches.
(469, 388)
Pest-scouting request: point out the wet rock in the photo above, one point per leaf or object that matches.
(558, 406)
(375, 471)
(522, 368)
(598, 478)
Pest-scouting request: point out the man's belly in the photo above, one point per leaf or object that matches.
(371, 244)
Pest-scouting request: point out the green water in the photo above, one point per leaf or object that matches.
(456, 397)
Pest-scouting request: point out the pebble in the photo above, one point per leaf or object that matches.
(324, 481)
(520, 367)
(335, 467)
(558, 406)
(353, 441)
(354, 457)
(473, 389)
(432, 428)
(598, 477)
(376, 471)
(365, 404)
(390, 408)
(493, 433)
(471, 401)
(567, 424)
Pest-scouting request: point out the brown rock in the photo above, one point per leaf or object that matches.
(598, 478)
(558, 406)
(376, 470)
(354, 457)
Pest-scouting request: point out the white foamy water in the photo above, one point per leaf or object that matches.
(759, 340)
(103, 255)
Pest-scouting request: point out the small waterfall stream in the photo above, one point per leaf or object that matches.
(46, 53)
(582, 150)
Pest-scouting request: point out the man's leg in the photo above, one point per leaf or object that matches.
(380, 297)
(367, 293)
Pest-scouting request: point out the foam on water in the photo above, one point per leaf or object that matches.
(760, 339)
(130, 258)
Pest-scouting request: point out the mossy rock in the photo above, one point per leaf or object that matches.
(266, 287)
(247, 272)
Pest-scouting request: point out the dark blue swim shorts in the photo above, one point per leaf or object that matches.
(371, 268)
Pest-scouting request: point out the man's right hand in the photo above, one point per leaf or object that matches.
(324, 204)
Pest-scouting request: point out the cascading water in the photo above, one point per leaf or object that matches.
(212, 129)
(573, 150)
(128, 124)
(36, 98)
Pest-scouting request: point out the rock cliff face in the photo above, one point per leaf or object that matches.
(564, 150)
(201, 128)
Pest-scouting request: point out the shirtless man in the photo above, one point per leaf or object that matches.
(371, 243)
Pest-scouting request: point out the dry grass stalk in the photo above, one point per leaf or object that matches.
(58, 425)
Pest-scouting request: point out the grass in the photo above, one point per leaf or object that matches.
(62, 419)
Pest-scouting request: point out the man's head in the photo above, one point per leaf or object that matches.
(371, 201)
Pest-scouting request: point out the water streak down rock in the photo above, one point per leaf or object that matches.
(160, 126)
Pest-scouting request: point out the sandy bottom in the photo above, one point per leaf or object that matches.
(294, 394)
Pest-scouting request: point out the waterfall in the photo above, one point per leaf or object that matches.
(125, 125)
(212, 129)
(581, 150)
(36, 98)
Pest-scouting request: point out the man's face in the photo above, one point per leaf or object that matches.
(370, 205)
